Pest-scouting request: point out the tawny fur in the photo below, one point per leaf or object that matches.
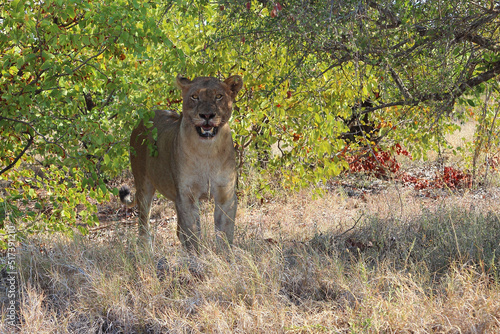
(193, 159)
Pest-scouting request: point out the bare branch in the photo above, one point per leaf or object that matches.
(400, 84)
(448, 96)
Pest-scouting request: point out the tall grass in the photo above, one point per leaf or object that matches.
(298, 266)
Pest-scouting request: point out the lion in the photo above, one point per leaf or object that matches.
(195, 159)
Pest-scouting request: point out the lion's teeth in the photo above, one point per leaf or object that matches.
(207, 131)
(211, 130)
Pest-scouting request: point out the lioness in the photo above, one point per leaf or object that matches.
(195, 159)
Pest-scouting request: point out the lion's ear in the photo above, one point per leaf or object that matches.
(235, 83)
(182, 82)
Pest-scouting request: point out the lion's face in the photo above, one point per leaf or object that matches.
(207, 103)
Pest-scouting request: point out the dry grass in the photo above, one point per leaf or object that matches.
(383, 259)
(464, 136)
(389, 262)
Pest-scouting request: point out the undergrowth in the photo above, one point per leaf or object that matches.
(437, 272)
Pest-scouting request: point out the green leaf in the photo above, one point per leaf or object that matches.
(106, 159)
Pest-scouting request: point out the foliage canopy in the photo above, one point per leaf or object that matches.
(324, 80)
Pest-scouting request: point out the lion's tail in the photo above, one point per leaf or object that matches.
(126, 197)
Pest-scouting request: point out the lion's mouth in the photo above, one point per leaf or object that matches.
(207, 131)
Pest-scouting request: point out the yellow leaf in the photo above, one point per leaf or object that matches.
(13, 70)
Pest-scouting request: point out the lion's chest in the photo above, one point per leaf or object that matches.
(204, 180)
(200, 168)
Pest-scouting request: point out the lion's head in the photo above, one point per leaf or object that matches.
(207, 102)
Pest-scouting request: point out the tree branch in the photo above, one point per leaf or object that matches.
(13, 163)
(449, 96)
(400, 84)
(35, 131)
(388, 15)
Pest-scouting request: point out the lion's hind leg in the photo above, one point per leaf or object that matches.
(144, 198)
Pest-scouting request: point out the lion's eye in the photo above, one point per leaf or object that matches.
(194, 97)
(218, 97)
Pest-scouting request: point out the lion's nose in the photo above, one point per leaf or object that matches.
(207, 116)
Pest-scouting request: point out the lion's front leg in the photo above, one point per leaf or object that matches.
(225, 214)
(188, 222)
